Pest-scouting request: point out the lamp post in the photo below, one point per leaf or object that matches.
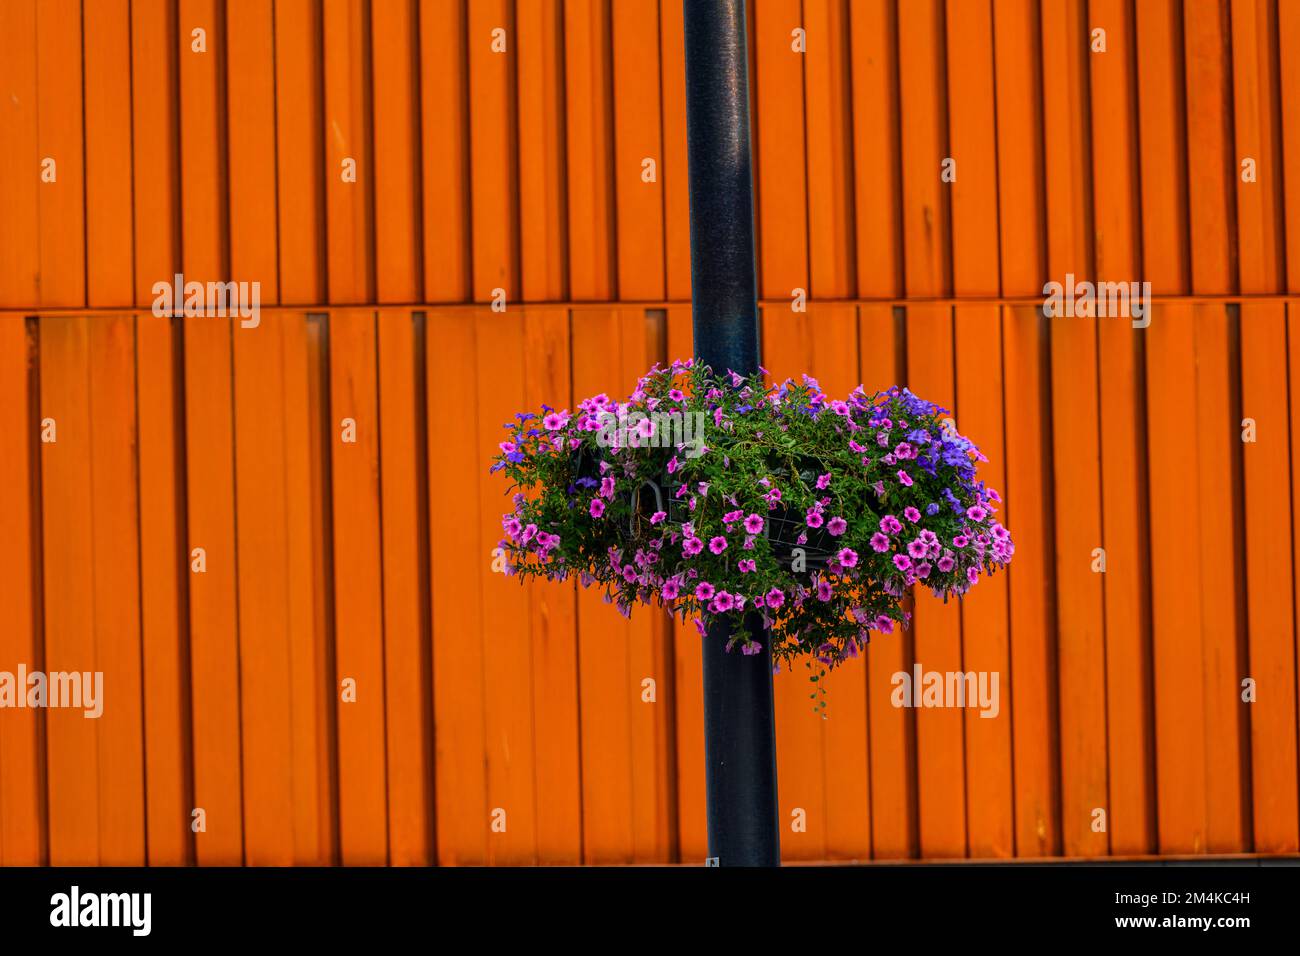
(739, 726)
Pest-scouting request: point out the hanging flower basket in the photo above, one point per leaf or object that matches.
(718, 496)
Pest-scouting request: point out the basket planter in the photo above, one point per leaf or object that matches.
(811, 515)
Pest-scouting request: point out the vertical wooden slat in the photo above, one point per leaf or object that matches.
(349, 203)
(780, 190)
(261, 503)
(877, 192)
(460, 776)
(590, 153)
(250, 79)
(554, 627)
(1211, 169)
(542, 228)
(155, 160)
(1270, 605)
(408, 678)
(832, 260)
(358, 587)
(61, 235)
(1288, 42)
(20, 160)
(672, 170)
(164, 572)
(494, 197)
(106, 49)
(399, 260)
(299, 141)
(22, 775)
(640, 217)
(445, 153)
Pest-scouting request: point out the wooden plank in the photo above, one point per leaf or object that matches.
(349, 173)
(460, 774)
(204, 200)
(399, 260)
(445, 155)
(688, 676)
(1030, 580)
(261, 505)
(627, 789)
(250, 120)
(155, 162)
(543, 266)
(1017, 65)
(1117, 253)
(1211, 168)
(494, 197)
(1178, 630)
(780, 189)
(1288, 44)
(107, 63)
(213, 592)
(1163, 140)
(985, 612)
(68, 551)
(554, 627)
(22, 765)
(1269, 598)
(299, 140)
(877, 192)
(408, 676)
(673, 169)
(589, 152)
(832, 258)
(640, 230)
(358, 587)
(972, 141)
(1081, 631)
(116, 600)
(937, 626)
(20, 161)
(61, 235)
(892, 730)
(926, 214)
(164, 579)
(1255, 113)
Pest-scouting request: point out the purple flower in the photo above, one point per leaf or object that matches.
(911, 514)
(884, 624)
(837, 526)
(775, 598)
(718, 545)
(945, 564)
(597, 507)
(902, 562)
(890, 525)
(722, 602)
(813, 519)
(555, 421)
(904, 450)
(753, 524)
(879, 542)
(692, 546)
(960, 541)
(823, 481)
(917, 548)
(747, 565)
(607, 487)
(976, 513)
(905, 478)
(658, 516)
(824, 590)
(676, 394)
(922, 570)
(670, 590)
(704, 590)
(847, 557)
(972, 574)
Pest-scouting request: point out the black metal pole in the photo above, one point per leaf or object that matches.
(739, 728)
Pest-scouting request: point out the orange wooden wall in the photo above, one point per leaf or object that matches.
(522, 171)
